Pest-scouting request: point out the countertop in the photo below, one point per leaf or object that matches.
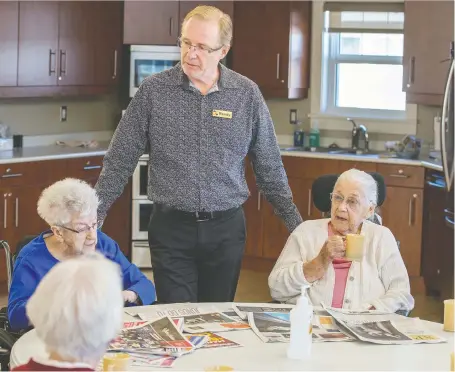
(53, 152)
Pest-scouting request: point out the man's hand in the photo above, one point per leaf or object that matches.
(129, 296)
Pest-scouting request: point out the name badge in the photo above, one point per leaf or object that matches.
(222, 114)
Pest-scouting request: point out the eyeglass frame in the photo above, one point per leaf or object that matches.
(344, 199)
(198, 48)
(85, 230)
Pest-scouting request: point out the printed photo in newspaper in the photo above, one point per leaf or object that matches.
(386, 329)
(243, 308)
(149, 336)
(216, 341)
(211, 322)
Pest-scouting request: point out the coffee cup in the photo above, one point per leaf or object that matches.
(116, 362)
(449, 316)
(355, 247)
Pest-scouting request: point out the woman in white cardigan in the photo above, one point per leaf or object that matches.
(314, 255)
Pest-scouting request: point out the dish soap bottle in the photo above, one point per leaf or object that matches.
(314, 136)
(301, 328)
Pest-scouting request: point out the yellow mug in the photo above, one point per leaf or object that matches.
(218, 368)
(449, 316)
(355, 247)
(116, 362)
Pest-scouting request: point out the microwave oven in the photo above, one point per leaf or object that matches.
(147, 60)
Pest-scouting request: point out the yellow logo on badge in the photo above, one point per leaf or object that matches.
(222, 114)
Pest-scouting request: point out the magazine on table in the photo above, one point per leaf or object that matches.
(276, 327)
(211, 322)
(162, 333)
(384, 328)
(242, 309)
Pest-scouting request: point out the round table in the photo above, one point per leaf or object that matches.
(256, 355)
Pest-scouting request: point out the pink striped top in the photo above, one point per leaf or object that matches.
(341, 267)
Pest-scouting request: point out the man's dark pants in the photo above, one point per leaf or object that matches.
(196, 259)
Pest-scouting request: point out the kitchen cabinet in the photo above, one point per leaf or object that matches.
(151, 22)
(428, 32)
(159, 22)
(21, 187)
(9, 21)
(66, 48)
(272, 46)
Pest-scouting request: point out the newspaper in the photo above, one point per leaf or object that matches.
(384, 328)
(153, 337)
(242, 309)
(159, 312)
(216, 341)
(276, 327)
(211, 322)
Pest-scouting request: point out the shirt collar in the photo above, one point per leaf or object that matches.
(225, 80)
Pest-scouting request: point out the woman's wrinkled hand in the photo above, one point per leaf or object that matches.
(129, 296)
(333, 248)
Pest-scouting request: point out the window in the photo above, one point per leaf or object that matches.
(362, 68)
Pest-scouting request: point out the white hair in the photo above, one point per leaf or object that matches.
(77, 307)
(367, 184)
(63, 199)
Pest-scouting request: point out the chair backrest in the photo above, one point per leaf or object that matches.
(323, 186)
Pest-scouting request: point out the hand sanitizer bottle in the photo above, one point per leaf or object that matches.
(301, 328)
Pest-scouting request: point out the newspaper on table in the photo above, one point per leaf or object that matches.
(215, 341)
(383, 328)
(276, 327)
(160, 312)
(211, 322)
(242, 309)
(159, 337)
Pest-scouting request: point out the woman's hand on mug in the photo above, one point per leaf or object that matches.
(334, 247)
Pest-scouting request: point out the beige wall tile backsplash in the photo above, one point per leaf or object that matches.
(42, 116)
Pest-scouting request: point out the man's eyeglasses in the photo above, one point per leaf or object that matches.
(351, 202)
(184, 43)
(85, 229)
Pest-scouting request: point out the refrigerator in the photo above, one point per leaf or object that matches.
(447, 141)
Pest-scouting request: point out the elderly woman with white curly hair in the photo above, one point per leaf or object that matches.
(76, 311)
(69, 207)
(314, 255)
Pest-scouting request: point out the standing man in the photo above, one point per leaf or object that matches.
(201, 120)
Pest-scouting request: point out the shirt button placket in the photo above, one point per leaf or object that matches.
(203, 152)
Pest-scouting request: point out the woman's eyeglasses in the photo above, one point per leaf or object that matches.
(338, 199)
(85, 229)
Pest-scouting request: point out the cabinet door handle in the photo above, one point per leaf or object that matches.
(11, 175)
(92, 167)
(5, 209)
(114, 76)
(412, 209)
(278, 66)
(259, 201)
(171, 25)
(399, 175)
(62, 66)
(51, 53)
(309, 202)
(17, 212)
(411, 71)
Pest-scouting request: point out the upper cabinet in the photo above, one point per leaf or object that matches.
(158, 22)
(9, 34)
(428, 32)
(272, 46)
(66, 47)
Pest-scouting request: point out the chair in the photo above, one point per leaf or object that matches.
(7, 336)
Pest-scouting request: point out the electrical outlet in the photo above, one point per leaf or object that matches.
(63, 113)
(293, 116)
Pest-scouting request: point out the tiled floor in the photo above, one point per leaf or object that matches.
(253, 287)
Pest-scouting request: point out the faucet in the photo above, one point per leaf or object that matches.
(359, 132)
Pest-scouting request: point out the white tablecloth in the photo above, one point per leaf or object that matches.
(259, 356)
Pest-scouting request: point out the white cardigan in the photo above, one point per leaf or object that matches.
(380, 279)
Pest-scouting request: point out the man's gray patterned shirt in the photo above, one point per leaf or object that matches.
(198, 144)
